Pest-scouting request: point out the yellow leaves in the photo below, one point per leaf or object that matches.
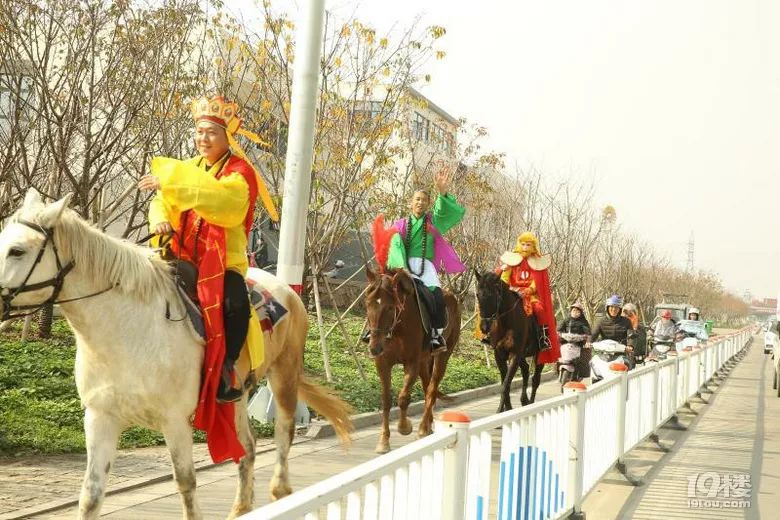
(437, 31)
(383, 43)
(386, 71)
(440, 55)
(337, 61)
(266, 105)
(345, 31)
(427, 78)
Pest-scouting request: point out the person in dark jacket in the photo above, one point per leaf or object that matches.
(640, 333)
(614, 326)
(576, 323)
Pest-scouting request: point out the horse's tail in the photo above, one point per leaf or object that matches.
(326, 403)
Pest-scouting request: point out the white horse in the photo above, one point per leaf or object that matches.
(134, 366)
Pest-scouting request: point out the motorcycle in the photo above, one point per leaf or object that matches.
(663, 346)
(570, 355)
(606, 353)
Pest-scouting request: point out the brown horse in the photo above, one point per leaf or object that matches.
(397, 336)
(511, 334)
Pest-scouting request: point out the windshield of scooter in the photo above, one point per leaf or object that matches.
(693, 329)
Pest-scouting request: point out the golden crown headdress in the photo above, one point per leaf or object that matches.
(225, 114)
(218, 111)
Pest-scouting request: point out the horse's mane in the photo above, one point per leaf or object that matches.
(112, 261)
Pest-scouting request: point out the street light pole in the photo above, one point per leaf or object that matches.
(300, 144)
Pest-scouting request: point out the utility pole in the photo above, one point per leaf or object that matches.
(689, 265)
(300, 144)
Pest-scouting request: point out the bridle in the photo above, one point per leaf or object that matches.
(497, 315)
(398, 308)
(7, 294)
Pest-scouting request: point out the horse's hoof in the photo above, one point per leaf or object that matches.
(405, 427)
(423, 433)
(238, 512)
(280, 491)
(382, 447)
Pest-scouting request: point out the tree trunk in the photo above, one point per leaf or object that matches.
(45, 319)
(321, 328)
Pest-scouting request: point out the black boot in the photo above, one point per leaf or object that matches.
(226, 392)
(438, 345)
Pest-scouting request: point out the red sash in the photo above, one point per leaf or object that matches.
(204, 245)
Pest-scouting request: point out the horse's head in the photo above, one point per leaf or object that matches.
(491, 291)
(385, 298)
(31, 268)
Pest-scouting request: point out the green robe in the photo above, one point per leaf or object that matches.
(447, 213)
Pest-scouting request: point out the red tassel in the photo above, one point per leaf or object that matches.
(382, 237)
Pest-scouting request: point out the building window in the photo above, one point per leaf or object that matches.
(368, 109)
(421, 127)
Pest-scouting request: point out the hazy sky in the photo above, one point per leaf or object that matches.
(673, 106)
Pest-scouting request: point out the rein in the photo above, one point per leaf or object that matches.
(8, 294)
(397, 310)
(496, 315)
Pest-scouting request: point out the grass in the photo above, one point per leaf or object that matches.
(40, 411)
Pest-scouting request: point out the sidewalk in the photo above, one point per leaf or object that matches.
(33, 485)
(736, 433)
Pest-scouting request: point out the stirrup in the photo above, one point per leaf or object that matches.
(226, 393)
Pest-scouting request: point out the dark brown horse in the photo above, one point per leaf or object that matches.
(511, 333)
(397, 337)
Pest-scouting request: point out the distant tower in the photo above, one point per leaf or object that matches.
(689, 265)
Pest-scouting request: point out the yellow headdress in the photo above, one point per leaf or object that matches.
(224, 114)
(528, 237)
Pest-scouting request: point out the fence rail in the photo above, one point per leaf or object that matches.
(550, 454)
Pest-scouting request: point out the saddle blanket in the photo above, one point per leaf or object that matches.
(268, 309)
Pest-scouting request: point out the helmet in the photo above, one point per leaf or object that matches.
(630, 307)
(667, 314)
(693, 310)
(614, 301)
(577, 305)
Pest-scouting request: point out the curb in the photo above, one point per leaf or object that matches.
(317, 430)
(322, 429)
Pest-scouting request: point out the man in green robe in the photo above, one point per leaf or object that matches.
(419, 248)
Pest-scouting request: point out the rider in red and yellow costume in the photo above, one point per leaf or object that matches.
(207, 203)
(525, 271)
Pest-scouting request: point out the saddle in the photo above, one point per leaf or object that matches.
(427, 305)
(185, 274)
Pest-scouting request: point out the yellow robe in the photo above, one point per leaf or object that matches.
(222, 202)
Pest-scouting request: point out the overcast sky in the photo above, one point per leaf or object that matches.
(673, 106)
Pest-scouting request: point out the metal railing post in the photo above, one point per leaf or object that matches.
(576, 456)
(455, 465)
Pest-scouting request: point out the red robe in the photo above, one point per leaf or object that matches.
(216, 419)
(521, 276)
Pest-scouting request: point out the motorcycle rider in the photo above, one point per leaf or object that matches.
(614, 326)
(665, 328)
(640, 333)
(576, 323)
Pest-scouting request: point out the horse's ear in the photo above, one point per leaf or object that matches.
(50, 215)
(370, 274)
(32, 199)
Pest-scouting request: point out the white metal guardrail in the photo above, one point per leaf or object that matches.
(551, 453)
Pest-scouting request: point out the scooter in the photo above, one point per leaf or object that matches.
(608, 352)
(769, 342)
(663, 346)
(570, 354)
